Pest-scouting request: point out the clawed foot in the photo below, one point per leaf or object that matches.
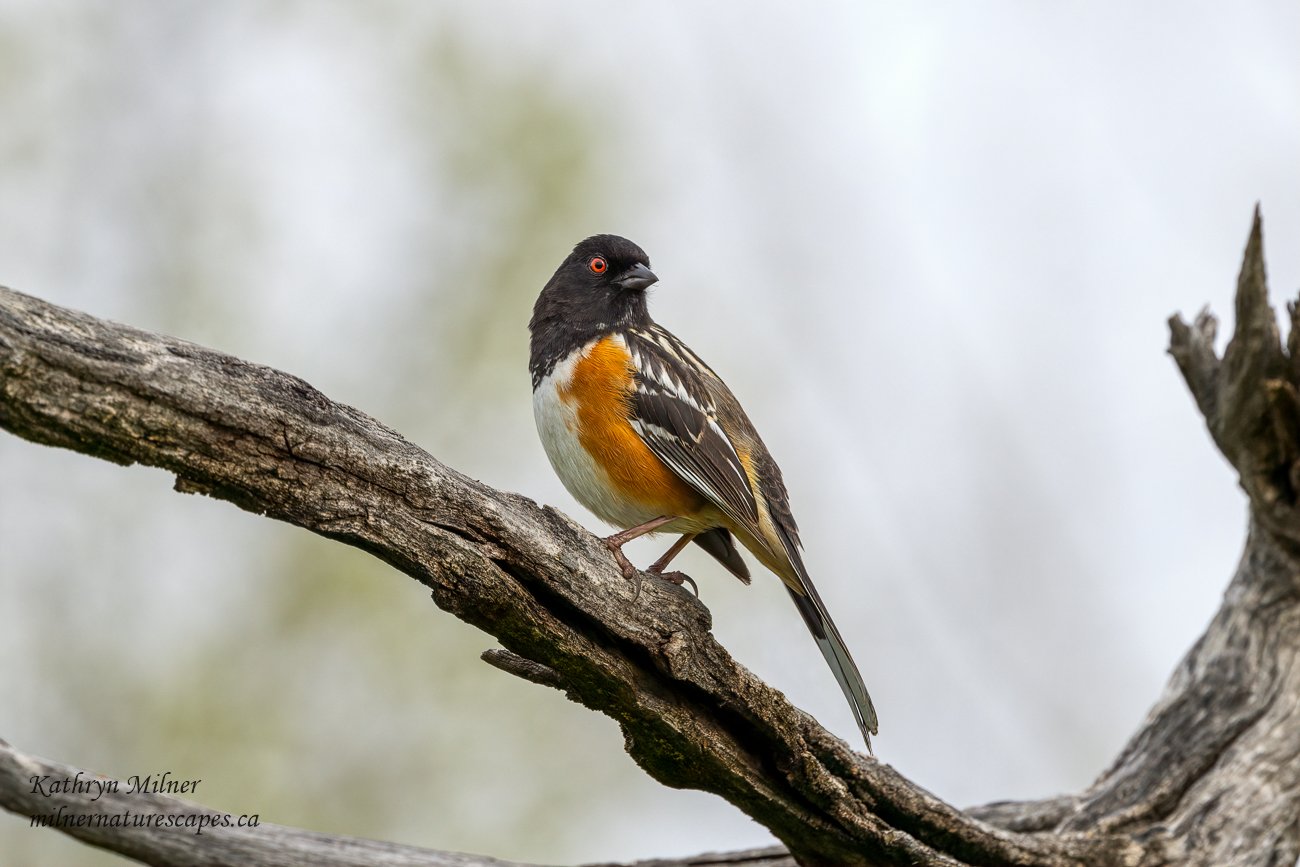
(625, 565)
(631, 573)
(679, 578)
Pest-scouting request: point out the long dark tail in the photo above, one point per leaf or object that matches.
(837, 657)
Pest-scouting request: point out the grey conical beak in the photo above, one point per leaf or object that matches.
(636, 278)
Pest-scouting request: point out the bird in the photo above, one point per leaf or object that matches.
(647, 437)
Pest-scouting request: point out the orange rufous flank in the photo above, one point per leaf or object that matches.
(601, 388)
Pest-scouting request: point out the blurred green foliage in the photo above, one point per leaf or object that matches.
(290, 688)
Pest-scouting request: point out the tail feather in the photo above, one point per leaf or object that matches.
(722, 546)
(832, 646)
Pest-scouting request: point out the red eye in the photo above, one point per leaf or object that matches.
(598, 265)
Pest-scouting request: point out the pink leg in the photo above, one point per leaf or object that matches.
(616, 542)
(662, 563)
(619, 539)
(678, 578)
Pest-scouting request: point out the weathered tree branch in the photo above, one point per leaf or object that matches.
(1211, 778)
(32, 786)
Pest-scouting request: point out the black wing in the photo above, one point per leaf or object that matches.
(674, 413)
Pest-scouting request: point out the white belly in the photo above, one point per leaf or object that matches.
(557, 424)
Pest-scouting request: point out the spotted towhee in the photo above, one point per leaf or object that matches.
(645, 434)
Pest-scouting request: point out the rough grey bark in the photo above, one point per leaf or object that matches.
(1211, 777)
(266, 844)
(20, 774)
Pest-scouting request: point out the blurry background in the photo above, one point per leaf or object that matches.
(932, 250)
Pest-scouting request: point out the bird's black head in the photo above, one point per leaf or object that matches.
(598, 289)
